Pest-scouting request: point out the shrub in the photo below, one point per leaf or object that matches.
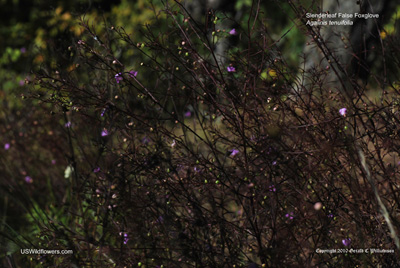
(170, 159)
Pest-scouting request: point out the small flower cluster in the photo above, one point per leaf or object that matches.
(125, 236)
(289, 215)
(272, 188)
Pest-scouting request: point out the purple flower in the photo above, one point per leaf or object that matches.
(346, 242)
(233, 32)
(68, 124)
(6, 146)
(145, 140)
(21, 82)
(103, 112)
(133, 74)
(188, 114)
(28, 179)
(234, 152)
(125, 235)
(160, 219)
(343, 112)
(97, 169)
(231, 69)
(289, 215)
(118, 77)
(330, 215)
(104, 133)
(23, 50)
(274, 163)
(239, 212)
(272, 188)
(53, 162)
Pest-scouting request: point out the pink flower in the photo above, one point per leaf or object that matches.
(104, 133)
(343, 112)
(234, 152)
(28, 179)
(233, 32)
(97, 169)
(6, 146)
(231, 69)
